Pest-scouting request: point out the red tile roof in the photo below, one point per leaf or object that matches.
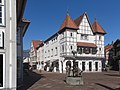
(36, 43)
(97, 28)
(78, 20)
(85, 44)
(68, 23)
(108, 47)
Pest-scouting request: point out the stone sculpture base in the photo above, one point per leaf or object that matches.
(74, 80)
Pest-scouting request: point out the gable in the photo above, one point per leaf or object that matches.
(84, 26)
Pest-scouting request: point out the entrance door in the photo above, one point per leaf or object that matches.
(83, 66)
(1, 70)
(90, 66)
(96, 66)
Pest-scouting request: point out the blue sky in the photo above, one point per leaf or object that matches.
(46, 17)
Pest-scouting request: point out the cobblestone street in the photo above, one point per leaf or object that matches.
(56, 81)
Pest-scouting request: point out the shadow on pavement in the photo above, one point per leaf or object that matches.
(29, 79)
(107, 87)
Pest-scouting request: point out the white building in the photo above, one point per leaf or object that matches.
(11, 13)
(33, 52)
(79, 35)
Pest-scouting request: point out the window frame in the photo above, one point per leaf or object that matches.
(2, 5)
(1, 40)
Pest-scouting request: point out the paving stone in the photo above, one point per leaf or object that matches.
(56, 81)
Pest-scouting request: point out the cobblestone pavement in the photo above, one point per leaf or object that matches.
(56, 81)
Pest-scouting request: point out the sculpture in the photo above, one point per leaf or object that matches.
(74, 74)
(75, 69)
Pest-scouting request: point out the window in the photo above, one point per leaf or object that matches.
(45, 54)
(1, 12)
(52, 52)
(48, 53)
(94, 50)
(79, 50)
(1, 39)
(84, 36)
(71, 47)
(99, 37)
(62, 48)
(86, 50)
(56, 50)
(1, 70)
(71, 34)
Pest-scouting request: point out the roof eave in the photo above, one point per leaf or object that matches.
(25, 28)
(20, 9)
(100, 33)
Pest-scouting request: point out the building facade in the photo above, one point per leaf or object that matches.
(8, 44)
(55, 53)
(33, 52)
(109, 54)
(11, 13)
(116, 55)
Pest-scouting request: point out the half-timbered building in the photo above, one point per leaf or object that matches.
(74, 35)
